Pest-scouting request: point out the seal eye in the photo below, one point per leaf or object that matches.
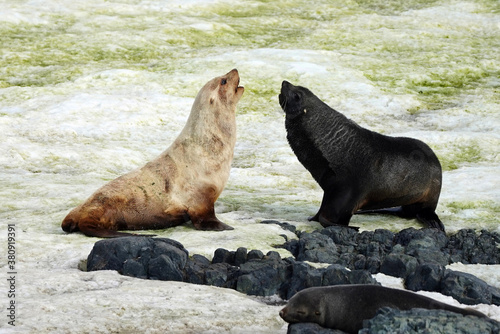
(318, 313)
(223, 82)
(296, 97)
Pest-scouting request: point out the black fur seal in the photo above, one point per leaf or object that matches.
(359, 169)
(344, 307)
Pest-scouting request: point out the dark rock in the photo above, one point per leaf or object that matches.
(272, 255)
(194, 271)
(360, 262)
(311, 328)
(469, 247)
(466, 288)
(163, 268)
(406, 236)
(426, 277)
(222, 255)
(303, 276)
(340, 235)
(255, 255)
(398, 265)
(240, 256)
(389, 321)
(110, 254)
(263, 278)
(317, 247)
(216, 274)
(130, 253)
(335, 275)
(373, 264)
(292, 246)
(134, 268)
(361, 277)
(171, 249)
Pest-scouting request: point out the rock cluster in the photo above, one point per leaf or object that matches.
(415, 321)
(417, 256)
(252, 272)
(388, 321)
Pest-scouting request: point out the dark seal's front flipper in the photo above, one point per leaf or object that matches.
(336, 208)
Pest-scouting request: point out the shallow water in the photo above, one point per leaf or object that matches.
(92, 90)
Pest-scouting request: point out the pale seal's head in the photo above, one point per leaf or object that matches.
(221, 92)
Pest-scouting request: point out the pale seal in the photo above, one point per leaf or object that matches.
(181, 184)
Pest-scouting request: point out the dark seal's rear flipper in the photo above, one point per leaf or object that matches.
(397, 211)
(430, 218)
(425, 216)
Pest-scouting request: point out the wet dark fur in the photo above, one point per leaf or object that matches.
(359, 169)
(344, 307)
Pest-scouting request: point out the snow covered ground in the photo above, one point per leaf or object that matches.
(91, 90)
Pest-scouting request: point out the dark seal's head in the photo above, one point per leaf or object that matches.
(295, 100)
(303, 307)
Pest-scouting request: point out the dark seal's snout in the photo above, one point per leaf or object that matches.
(290, 99)
(283, 94)
(284, 313)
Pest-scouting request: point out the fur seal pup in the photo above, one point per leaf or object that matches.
(181, 184)
(359, 169)
(344, 307)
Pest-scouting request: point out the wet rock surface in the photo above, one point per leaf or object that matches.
(311, 328)
(389, 321)
(252, 272)
(417, 256)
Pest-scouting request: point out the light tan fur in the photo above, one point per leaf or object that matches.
(181, 184)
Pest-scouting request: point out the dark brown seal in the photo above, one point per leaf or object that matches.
(344, 307)
(181, 184)
(359, 169)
